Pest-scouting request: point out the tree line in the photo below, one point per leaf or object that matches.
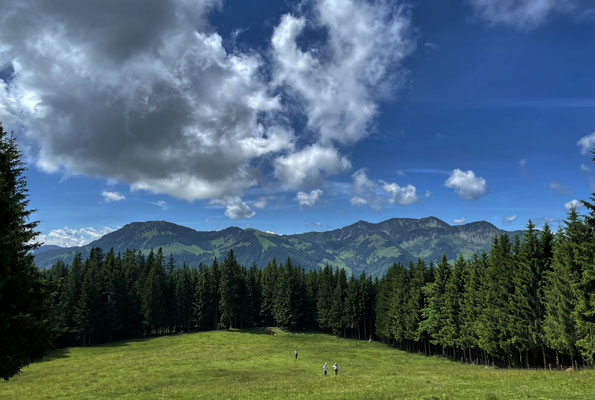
(529, 302)
(108, 297)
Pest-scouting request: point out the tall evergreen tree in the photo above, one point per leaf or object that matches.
(232, 286)
(24, 301)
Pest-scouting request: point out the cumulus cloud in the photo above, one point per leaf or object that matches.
(586, 143)
(509, 219)
(573, 204)
(369, 192)
(309, 166)
(401, 195)
(235, 208)
(172, 110)
(336, 83)
(559, 188)
(112, 196)
(161, 204)
(176, 112)
(357, 201)
(521, 14)
(365, 191)
(459, 220)
(309, 199)
(68, 237)
(466, 184)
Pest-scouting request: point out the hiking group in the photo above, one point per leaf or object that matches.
(335, 368)
(324, 367)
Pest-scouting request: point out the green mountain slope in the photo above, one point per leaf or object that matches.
(361, 247)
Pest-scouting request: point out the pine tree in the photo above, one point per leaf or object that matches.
(326, 284)
(561, 294)
(338, 303)
(453, 295)
(232, 288)
(268, 280)
(524, 299)
(433, 311)
(472, 305)
(153, 301)
(585, 308)
(415, 302)
(24, 299)
(497, 287)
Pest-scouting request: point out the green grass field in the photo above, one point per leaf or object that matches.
(257, 364)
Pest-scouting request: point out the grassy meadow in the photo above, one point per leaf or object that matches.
(260, 364)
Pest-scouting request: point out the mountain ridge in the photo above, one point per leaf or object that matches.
(369, 247)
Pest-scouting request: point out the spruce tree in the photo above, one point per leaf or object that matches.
(24, 302)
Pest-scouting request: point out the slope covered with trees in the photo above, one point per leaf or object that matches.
(360, 247)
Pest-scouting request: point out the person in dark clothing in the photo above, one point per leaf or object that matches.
(296, 354)
(336, 368)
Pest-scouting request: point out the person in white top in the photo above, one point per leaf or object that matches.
(336, 368)
(324, 368)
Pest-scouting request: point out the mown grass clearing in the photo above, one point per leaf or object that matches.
(257, 364)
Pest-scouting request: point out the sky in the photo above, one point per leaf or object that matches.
(298, 116)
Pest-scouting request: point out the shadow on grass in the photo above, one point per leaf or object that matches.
(254, 331)
(55, 354)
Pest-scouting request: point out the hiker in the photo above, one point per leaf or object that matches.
(324, 368)
(336, 368)
(296, 354)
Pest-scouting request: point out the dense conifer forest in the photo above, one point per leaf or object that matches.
(530, 302)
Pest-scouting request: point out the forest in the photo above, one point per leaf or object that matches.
(529, 302)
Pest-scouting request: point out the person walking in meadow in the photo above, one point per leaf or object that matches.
(324, 368)
(296, 354)
(336, 368)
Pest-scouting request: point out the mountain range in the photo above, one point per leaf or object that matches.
(360, 247)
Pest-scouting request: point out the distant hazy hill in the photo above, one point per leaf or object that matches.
(46, 247)
(362, 246)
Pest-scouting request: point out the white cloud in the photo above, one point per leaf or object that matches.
(309, 199)
(466, 184)
(559, 188)
(161, 204)
(586, 143)
(338, 81)
(521, 14)
(260, 203)
(523, 163)
(428, 194)
(191, 117)
(459, 220)
(365, 191)
(373, 193)
(401, 195)
(357, 201)
(573, 204)
(585, 168)
(308, 166)
(112, 196)
(509, 219)
(188, 116)
(68, 237)
(235, 208)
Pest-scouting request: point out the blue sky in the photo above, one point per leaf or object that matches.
(298, 116)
